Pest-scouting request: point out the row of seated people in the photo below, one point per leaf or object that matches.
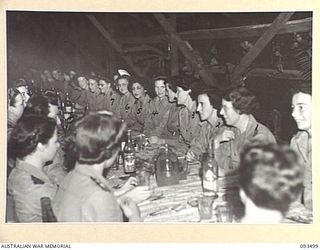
(230, 134)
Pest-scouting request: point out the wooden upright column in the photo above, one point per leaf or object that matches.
(174, 52)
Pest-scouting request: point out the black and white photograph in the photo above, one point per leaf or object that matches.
(159, 117)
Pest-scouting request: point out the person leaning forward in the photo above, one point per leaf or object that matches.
(241, 128)
(208, 105)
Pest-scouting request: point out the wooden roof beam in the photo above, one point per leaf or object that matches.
(113, 43)
(205, 76)
(302, 25)
(261, 43)
(287, 74)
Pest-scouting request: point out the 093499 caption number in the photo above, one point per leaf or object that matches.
(313, 246)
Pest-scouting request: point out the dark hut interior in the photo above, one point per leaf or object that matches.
(269, 52)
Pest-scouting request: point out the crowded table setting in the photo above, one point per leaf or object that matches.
(148, 170)
(112, 146)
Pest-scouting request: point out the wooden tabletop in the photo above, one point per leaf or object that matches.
(178, 203)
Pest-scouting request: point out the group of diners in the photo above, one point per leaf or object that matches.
(185, 114)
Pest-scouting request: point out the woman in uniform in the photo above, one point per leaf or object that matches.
(47, 106)
(159, 110)
(302, 140)
(95, 99)
(110, 96)
(139, 111)
(208, 106)
(188, 117)
(85, 195)
(33, 142)
(242, 128)
(170, 132)
(126, 100)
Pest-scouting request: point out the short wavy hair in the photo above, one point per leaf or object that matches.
(28, 132)
(95, 138)
(213, 94)
(128, 78)
(271, 176)
(242, 100)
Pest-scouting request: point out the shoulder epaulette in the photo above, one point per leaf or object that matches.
(36, 180)
(255, 132)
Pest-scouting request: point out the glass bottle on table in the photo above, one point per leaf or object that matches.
(129, 156)
(166, 171)
(68, 115)
(68, 107)
(209, 172)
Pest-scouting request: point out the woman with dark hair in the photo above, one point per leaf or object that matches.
(183, 121)
(302, 140)
(43, 105)
(188, 117)
(15, 109)
(241, 128)
(139, 111)
(85, 195)
(110, 96)
(33, 142)
(271, 179)
(46, 105)
(208, 106)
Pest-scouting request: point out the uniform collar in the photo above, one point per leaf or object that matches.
(94, 175)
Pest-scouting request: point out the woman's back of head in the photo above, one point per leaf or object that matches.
(94, 139)
(28, 132)
(271, 176)
(37, 105)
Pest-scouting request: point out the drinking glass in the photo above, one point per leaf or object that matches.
(224, 213)
(143, 178)
(205, 207)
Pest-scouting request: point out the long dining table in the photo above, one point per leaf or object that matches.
(178, 203)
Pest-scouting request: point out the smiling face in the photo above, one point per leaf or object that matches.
(104, 86)
(302, 110)
(83, 82)
(160, 88)
(24, 92)
(182, 96)
(18, 107)
(123, 85)
(138, 90)
(205, 108)
(230, 115)
(93, 86)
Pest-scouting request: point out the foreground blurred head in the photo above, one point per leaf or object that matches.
(95, 139)
(34, 135)
(270, 176)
